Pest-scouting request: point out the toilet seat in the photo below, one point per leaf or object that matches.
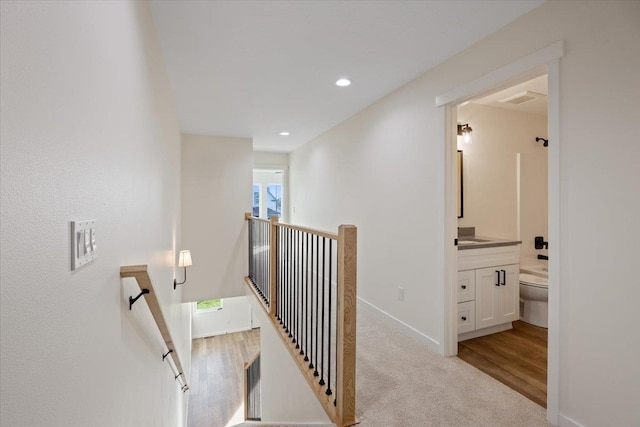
(534, 281)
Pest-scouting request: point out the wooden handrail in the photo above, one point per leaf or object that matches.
(140, 273)
(320, 233)
(342, 411)
(310, 230)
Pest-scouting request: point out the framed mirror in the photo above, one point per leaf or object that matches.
(460, 198)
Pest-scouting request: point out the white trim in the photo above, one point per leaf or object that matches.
(266, 167)
(536, 64)
(398, 324)
(555, 254)
(449, 333)
(231, 331)
(264, 423)
(485, 331)
(565, 421)
(516, 72)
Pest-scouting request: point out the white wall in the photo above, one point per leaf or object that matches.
(289, 398)
(88, 131)
(235, 316)
(267, 159)
(491, 170)
(216, 193)
(490, 167)
(383, 170)
(533, 205)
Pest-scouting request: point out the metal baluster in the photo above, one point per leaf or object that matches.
(280, 276)
(265, 261)
(310, 289)
(290, 283)
(306, 298)
(286, 282)
(329, 392)
(303, 308)
(321, 382)
(261, 260)
(296, 337)
(315, 373)
(294, 259)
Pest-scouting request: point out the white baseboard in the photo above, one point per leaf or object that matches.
(268, 424)
(214, 334)
(564, 421)
(398, 324)
(485, 331)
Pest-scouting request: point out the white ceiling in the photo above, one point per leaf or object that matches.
(253, 69)
(535, 106)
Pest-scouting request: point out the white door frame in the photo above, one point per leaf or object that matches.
(543, 61)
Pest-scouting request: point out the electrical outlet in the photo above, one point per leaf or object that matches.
(400, 294)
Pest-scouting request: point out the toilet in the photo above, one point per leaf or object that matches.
(534, 299)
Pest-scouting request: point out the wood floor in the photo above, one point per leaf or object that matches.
(516, 358)
(216, 377)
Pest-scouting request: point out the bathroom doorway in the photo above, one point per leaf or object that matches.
(545, 61)
(503, 137)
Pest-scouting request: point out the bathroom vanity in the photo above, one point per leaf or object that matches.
(488, 287)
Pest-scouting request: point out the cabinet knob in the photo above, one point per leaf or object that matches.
(464, 286)
(464, 317)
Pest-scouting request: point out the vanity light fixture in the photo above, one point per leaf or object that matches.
(465, 130)
(343, 82)
(284, 133)
(184, 261)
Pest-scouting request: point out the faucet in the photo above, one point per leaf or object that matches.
(540, 243)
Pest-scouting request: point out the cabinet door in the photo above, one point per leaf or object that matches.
(509, 293)
(488, 297)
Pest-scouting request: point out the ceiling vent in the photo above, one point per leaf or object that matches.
(522, 97)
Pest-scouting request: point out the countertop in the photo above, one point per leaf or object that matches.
(484, 242)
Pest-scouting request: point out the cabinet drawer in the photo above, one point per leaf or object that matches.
(466, 317)
(466, 285)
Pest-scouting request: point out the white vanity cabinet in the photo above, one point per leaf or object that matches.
(488, 290)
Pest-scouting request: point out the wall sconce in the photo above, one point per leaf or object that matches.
(465, 130)
(183, 261)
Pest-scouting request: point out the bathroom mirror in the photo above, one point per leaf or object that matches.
(460, 204)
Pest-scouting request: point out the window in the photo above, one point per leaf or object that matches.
(209, 305)
(256, 201)
(274, 200)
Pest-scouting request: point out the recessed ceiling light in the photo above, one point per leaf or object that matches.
(284, 133)
(343, 82)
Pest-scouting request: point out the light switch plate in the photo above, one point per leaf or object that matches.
(83, 242)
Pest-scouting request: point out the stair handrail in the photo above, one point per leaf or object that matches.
(140, 273)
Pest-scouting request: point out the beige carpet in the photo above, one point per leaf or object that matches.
(402, 383)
